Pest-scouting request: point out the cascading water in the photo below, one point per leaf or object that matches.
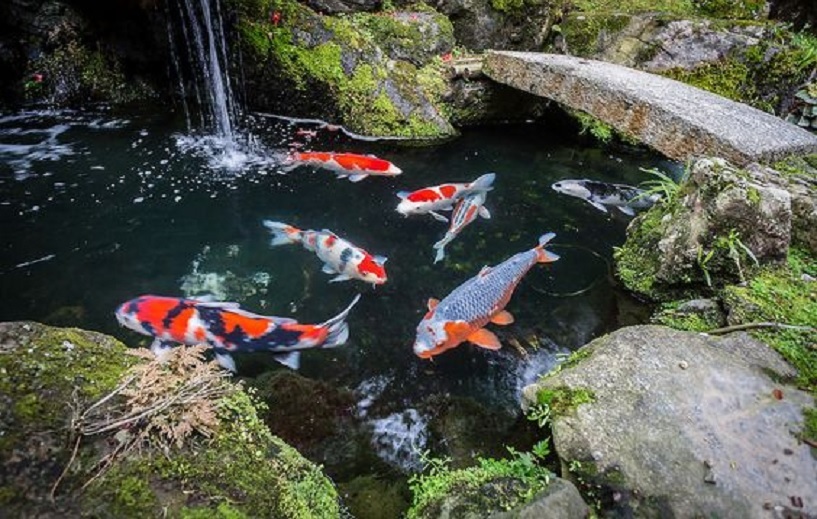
(205, 54)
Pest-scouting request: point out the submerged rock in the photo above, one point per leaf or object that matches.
(683, 425)
(50, 377)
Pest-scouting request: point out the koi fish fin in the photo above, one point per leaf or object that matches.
(338, 329)
(438, 216)
(282, 234)
(226, 361)
(542, 255)
(626, 209)
(203, 298)
(485, 339)
(503, 318)
(403, 194)
(484, 271)
(432, 303)
(290, 360)
(283, 320)
(380, 260)
(328, 269)
(597, 206)
(340, 277)
(161, 349)
(357, 177)
(219, 304)
(440, 252)
(484, 212)
(457, 330)
(483, 183)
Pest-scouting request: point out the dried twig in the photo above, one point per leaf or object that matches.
(752, 326)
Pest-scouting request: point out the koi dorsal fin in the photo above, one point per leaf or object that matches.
(432, 303)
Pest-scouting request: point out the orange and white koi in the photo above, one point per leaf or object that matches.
(441, 198)
(465, 212)
(463, 314)
(346, 165)
(339, 256)
(228, 329)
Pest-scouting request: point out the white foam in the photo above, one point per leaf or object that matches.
(400, 438)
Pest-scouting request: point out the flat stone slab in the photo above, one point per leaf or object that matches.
(678, 120)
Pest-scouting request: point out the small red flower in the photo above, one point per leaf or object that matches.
(777, 394)
(446, 57)
(275, 17)
(37, 78)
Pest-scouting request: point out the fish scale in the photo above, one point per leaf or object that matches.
(480, 297)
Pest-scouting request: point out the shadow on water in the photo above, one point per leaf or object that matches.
(97, 209)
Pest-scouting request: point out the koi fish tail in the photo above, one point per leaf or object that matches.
(542, 255)
(483, 183)
(283, 234)
(440, 246)
(338, 328)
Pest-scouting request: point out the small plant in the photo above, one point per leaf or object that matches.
(539, 413)
(662, 185)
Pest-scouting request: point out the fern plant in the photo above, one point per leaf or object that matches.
(662, 185)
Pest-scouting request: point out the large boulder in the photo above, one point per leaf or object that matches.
(58, 463)
(720, 221)
(661, 423)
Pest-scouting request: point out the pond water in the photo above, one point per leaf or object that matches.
(97, 208)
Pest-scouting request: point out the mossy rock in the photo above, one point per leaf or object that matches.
(336, 68)
(50, 374)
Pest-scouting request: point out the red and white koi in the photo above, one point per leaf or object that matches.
(339, 256)
(466, 211)
(429, 200)
(463, 314)
(346, 165)
(228, 329)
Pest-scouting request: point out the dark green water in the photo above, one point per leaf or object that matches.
(97, 209)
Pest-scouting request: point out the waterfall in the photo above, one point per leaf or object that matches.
(207, 52)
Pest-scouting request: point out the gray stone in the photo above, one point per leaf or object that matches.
(711, 440)
(678, 120)
(560, 500)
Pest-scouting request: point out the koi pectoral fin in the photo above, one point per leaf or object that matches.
(438, 216)
(503, 317)
(161, 349)
(485, 339)
(226, 361)
(290, 360)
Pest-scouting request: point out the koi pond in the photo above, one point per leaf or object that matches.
(98, 208)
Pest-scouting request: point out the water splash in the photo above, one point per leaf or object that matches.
(400, 438)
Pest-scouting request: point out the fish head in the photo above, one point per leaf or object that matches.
(431, 336)
(573, 188)
(372, 269)
(407, 207)
(130, 314)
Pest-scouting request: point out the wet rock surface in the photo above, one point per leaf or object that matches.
(686, 425)
(676, 119)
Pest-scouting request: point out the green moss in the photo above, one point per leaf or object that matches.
(781, 295)
(680, 7)
(583, 32)
(669, 315)
(48, 364)
(563, 400)
(798, 166)
(493, 485)
(222, 511)
(757, 75)
(243, 471)
(735, 9)
(576, 357)
(810, 424)
(369, 497)
(636, 261)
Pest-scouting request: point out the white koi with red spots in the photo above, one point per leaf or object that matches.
(441, 198)
(463, 314)
(466, 211)
(339, 256)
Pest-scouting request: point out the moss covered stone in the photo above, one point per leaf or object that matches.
(373, 73)
(50, 374)
(563, 400)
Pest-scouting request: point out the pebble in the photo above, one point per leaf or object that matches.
(683, 364)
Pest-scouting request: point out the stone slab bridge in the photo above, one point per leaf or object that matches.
(676, 119)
